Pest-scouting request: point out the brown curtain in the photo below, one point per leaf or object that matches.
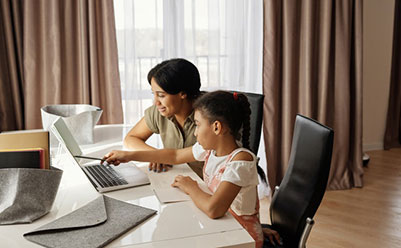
(11, 70)
(57, 52)
(312, 65)
(392, 136)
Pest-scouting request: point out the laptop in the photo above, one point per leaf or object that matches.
(103, 177)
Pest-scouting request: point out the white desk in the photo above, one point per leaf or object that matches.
(179, 224)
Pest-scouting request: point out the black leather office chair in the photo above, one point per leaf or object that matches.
(297, 199)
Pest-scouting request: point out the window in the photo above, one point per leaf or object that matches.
(223, 38)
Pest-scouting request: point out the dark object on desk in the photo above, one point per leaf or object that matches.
(23, 158)
(297, 199)
(27, 194)
(27, 139)
(93, 225)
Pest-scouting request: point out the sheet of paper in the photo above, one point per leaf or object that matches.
(161, 183)
(171, 195)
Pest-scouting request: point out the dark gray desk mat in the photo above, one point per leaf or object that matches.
(93, 225)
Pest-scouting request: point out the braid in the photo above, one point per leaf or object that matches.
(246, 128)
(246, 115)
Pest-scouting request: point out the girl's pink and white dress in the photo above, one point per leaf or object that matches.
(245, 207)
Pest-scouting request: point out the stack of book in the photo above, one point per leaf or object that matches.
(24, 149)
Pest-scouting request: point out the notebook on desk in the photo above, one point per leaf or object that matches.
(22, 158)
(103, 177)
(27, 139)
(161, 184)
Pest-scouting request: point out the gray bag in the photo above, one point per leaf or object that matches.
(27, 194)
(79, 118)
(94, 225)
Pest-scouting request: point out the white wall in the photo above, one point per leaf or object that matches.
(378, 17)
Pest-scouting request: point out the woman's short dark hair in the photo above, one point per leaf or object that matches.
(175, 76)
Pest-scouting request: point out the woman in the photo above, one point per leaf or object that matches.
(175, 85)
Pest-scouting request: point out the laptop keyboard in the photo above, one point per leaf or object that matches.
(106, 175)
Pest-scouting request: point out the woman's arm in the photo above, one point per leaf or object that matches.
(137, 136)
(135, 140)
(216, 205)
(165, 156)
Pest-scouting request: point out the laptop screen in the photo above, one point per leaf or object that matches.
(65, 137)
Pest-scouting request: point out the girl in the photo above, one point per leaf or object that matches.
(175, 85)
(230, 171)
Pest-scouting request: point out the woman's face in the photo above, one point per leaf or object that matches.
(167, 104)
(204, 131)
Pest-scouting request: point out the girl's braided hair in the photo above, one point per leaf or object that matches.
(233, 109)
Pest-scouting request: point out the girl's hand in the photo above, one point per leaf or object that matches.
(116, 157)
(184, 183)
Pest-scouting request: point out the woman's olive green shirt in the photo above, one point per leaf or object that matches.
(171, 135)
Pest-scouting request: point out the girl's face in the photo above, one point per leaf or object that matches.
(167, 104)
(204, 131)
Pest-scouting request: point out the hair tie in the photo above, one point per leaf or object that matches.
(235, 95)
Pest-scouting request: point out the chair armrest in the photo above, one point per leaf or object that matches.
(308, 227)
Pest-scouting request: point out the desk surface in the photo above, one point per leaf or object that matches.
(179, 224)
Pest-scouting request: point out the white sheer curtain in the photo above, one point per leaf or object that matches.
(223, 38)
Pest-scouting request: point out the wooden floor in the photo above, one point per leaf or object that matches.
(361, 217)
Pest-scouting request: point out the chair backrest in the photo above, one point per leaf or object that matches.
(304, 184)
(256, 105)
